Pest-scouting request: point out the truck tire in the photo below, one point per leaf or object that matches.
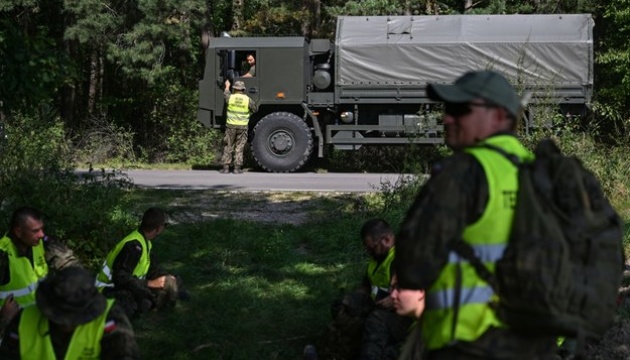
(282, 142)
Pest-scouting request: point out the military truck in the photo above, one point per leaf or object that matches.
(368, 86)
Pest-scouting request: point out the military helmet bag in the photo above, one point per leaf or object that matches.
(562, 268)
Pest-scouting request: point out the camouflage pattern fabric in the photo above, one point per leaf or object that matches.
(383, 334)
(342, 340)
(438, 216)
(167, 297)
(58, 256)
(503, 344)
(135, 306)
(118, 341)
(235, 140)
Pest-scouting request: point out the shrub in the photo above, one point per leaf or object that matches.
(35, 170)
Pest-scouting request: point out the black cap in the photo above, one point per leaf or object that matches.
(69, 297)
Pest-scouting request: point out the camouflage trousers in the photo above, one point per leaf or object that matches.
(384, 332)
(135, 305)
(361, 331)
(235, 140)
(499, 344)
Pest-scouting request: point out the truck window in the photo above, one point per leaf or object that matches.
(247, 61)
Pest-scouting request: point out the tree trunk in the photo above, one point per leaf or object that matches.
(94, 80)
(310, 24)
(468, 4)
(68, 93)
(237, 11)
(207, 31)
(431, 8)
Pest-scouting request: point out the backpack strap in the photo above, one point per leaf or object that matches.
(464, 249)
(511, 157)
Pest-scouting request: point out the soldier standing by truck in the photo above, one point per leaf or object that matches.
(239, 108)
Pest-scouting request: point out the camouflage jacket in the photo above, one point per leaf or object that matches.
(122, 271)
(118, 341)
(454, 197)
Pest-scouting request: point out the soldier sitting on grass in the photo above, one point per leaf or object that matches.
(365, 324)
(131, 274)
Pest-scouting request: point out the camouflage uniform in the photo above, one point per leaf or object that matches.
(383, 333)
(360, 330)
(118, 341)
(438, 216)
(132, 293)
(235, 136)
(343, 336)
(58, 257)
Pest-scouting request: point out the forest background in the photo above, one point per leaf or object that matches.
(121, 76)
(87, 82)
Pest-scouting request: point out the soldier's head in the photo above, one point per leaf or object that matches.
(378, 238)
(153, 223)
(479, 104)
(251, 60)
(69, 298)
(27, 226)
(407, 302)
(239, 86)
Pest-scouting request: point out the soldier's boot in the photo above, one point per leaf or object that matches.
(238, 169)
(225, 170)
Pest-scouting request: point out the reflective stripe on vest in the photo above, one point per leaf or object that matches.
(485, 253)
(238, 110)
(35, 341)
(379, 273)
(104, 277)
(24, 277)
(446, 298)
(442, 325)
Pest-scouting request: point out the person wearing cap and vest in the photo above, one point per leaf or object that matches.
(379, 330)
(471, 198)
(70, 320)
(239, 108)
(131, 274)
(26, 256)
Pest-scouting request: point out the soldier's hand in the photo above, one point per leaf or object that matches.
(386, 303)
(227, 84)
(10, 308)
(157, 283)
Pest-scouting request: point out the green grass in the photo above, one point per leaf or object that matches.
(258, 291)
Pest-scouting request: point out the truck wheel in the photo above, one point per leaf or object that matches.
(282, 142)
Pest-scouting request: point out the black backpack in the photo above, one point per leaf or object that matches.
(562, 268)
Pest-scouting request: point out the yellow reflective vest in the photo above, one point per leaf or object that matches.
(238, 110)
(458, 304)
(35, 341)
(23, 276)
(379, 275)
(104, 278)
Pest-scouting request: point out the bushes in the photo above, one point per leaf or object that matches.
(35, 170)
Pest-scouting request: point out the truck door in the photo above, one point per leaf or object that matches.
(233, 65)
(247, 69)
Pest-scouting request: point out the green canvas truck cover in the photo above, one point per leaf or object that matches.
(533, 50)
